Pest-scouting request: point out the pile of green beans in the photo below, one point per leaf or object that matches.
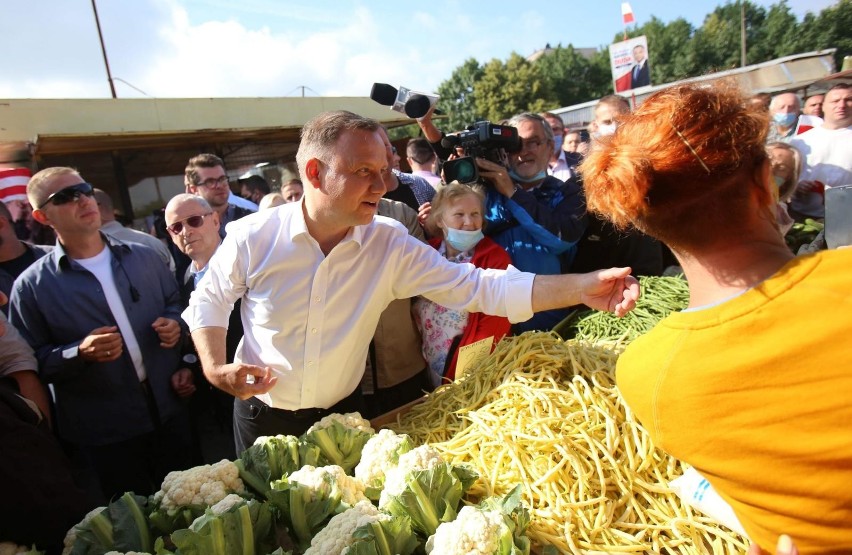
(660, 296)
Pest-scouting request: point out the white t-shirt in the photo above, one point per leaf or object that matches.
(101, 266)
(827, 156)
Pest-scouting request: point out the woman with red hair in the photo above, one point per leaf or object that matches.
(751, 384)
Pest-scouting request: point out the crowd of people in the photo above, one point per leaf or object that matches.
(268, 310)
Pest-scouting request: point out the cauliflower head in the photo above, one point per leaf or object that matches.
(473, 532)
(380, 454)
(351, 420)
(336, 536)
(202, 485)
(321, 479)
(424, 457)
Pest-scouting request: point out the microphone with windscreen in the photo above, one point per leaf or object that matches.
(403, 100)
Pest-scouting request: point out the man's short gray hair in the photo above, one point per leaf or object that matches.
(320, 134)
(774, 102)
(530, 116)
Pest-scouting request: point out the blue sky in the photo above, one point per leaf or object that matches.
(257, 48)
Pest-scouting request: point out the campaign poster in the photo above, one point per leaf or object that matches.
(630, 66)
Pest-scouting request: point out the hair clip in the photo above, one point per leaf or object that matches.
(689, 146)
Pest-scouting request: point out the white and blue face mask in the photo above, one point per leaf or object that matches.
(462, 240)
(785, 120)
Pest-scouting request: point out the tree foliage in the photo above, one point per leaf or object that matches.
(510, 87)
(458, 95)
(677, 50)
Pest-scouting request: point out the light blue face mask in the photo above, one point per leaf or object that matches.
(784, 120)
(518, 179)
(462, 240)
(557, 143)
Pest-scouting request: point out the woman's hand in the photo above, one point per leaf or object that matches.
(784, 546)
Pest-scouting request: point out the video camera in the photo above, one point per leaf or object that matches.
(483, 139)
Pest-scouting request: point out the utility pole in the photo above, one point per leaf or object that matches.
(103, 50)
(742, 33)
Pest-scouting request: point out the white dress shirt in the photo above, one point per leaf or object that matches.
(311, 317)
(560, 169)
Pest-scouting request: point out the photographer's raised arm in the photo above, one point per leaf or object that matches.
(433, 134)
(613, 290)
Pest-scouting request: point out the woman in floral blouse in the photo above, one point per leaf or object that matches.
(457, 210)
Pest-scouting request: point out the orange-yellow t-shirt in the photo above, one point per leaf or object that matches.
(756, 394)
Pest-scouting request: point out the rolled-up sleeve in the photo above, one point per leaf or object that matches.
(505, 293)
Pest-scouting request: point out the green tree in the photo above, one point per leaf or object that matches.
(777, 37)
(458, 96)
(829, 29)
(716, 44)
(571, 76)
(667, 43)
(510, 87)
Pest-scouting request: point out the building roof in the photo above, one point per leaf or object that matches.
(69, 126)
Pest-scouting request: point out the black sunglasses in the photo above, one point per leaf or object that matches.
(69, 194)
(192, 221)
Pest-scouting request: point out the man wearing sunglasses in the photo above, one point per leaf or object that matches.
(103, 320)
(194, 228)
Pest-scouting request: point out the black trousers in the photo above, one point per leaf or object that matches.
(139, 464)
(254, 418)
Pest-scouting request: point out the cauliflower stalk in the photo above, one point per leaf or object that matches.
(121, 526)
(273, 457)
(234, 526)
(495, 527)
(380, 454)
(308, 497)
(425, 488)
(340, 437)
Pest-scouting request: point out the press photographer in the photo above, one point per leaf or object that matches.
(537, 218)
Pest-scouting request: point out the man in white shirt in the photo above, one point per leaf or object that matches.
(315, 276)
(558, 165)
(827, 151)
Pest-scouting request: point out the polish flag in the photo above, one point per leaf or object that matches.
(13, 184)
(626, 13)
(806, 123)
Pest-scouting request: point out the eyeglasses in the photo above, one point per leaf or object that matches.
(69, 194)
(214, 181)
(192, 221)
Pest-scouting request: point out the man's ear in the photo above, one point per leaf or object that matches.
(312, 172)
(41, 217)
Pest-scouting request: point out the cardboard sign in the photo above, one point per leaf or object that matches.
(469, 355)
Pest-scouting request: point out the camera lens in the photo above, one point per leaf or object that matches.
(462, 170)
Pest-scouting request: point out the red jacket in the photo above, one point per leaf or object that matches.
(486, 254)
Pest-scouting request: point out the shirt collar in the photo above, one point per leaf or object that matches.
(297, 226)
(60, 257)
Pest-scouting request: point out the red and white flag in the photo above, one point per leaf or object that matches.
(806, 123)
(626, 13)
(13, 184)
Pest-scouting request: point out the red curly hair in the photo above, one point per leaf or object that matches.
(680, 167)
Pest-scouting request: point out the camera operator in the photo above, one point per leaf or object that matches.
(537, 218)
